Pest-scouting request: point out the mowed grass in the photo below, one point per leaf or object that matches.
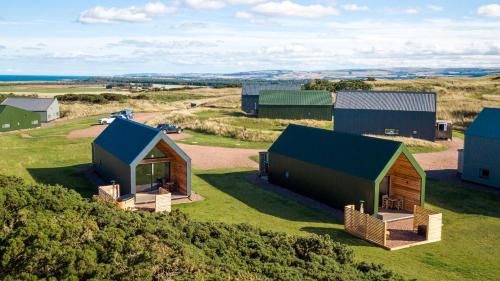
(471, 231)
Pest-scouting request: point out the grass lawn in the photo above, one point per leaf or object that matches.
(458, 134)
(53, 89)
(469, 250)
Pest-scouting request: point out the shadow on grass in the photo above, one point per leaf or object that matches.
(462, 200)
(72, 177)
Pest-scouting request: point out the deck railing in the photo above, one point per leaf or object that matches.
(160, 200)
(365, 226)
(372, 229)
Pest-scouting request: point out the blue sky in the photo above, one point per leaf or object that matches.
(181, 36)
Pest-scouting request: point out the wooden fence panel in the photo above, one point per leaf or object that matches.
(163, 202)
(365, 226)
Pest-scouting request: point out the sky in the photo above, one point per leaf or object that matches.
(110, 37)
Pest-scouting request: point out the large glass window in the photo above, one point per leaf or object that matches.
(155, 153)
(150, 176)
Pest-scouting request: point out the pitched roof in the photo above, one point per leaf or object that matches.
(357, 155)
(486, 124)
(253, 88)
(126, 139)
(397, 101)
(31, 104)
(287, 97)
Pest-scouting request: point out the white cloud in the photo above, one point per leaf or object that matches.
(240, 2)
(205, 4)
(411, 11)
(104, 15)
(492, 10)
(291, 9)
(435, 8)
(244, 15)
(354, 8)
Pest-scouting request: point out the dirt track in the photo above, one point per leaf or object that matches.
(209, 157)
(203, 157)
(444, 160)
(95, 130)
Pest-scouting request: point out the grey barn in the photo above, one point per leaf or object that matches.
(251, 91)
(481, 158)
(141, 159)
(406, 114)
(48, 108)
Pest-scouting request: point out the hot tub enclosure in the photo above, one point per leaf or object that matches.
(481, 154)
(130, 153)
(339, 169)
(406, 114)
(13, 118)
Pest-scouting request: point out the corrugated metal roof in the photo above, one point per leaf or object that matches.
(486, 125)
(357, 155)
(125, 139)
(398, 101)
(31, 104)
(253, 88)
(274, 97)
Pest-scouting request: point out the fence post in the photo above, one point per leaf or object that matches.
(385, 233)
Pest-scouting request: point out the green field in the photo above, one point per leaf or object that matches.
(471, 231)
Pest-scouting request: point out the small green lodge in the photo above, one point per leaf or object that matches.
(340, 169)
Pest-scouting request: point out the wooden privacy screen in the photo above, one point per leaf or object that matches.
(405, 182)
(432, 220)
(178, 167)
(365, 226)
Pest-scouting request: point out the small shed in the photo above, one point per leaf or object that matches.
(405, 114)
(141, 159)
(286, 104)
(251, 90)
(13, 118)
(481, 154)
(340, 169)
(47, 108)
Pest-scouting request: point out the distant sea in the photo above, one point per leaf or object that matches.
(24, 78)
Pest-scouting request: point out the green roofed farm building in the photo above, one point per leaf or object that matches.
(251, 90)
(13, 118)
(47, 108)
(141, 159)
(340, 169)
(277, 104)
(481, 154)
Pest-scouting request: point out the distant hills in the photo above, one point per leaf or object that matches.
(381, 73)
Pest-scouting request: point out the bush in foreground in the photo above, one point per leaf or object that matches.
(51, 232)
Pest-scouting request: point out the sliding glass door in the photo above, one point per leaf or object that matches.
(152, 175)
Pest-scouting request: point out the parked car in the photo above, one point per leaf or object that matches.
(169, 128)
(111, 118)
(127, 113)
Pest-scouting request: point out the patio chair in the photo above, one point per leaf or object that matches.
(399, 203)
(385, 201)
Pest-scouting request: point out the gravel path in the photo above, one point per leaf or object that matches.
(95, 130)
(211, 157)
(444, 160)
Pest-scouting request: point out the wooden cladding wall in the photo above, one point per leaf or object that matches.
(365, 226)
(405, 182)
(178, 167)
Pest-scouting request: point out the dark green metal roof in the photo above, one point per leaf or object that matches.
(126, 139)
(357, 155)
(486, 125)
(277, 97)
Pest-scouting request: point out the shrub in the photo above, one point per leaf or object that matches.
(52, 233)
(342, 85)
(90, 98)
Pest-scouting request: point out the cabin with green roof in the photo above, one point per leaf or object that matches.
(13, 118)
(290, 104)
(141, 159)
(341, 169)
(481, 154)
